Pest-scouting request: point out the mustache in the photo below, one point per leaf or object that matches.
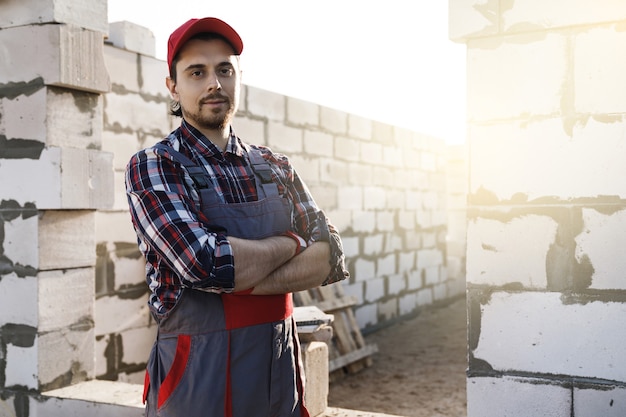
(213, 97)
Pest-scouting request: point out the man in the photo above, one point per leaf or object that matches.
(228, 231)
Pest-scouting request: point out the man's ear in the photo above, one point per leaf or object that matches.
(171, 86)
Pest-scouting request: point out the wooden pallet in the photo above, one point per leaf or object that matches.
(348, 352)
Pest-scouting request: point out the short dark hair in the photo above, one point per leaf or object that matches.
(175, 109)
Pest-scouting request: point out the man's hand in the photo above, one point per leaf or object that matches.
(256, 259)
(307, 270)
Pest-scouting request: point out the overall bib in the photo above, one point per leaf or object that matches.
(231, 355)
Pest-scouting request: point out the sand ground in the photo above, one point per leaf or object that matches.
(419, 370)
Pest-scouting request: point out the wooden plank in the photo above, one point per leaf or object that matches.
(337, 304)
(352, 357)
(347, 348)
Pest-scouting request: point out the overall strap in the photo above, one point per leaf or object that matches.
(265, 186)
(261, 168)
(197, 173)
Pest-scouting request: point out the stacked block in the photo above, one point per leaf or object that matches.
(54, 177)
(546, 206)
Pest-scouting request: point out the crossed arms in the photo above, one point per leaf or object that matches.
(271, 265)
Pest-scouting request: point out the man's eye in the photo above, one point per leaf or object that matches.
(196, 73)
(226, 72)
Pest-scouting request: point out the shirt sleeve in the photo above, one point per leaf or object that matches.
(171, 230)
(308, 220)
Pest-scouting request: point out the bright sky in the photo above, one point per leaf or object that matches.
(389, 60)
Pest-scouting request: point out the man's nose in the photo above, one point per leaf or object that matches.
(213, 82)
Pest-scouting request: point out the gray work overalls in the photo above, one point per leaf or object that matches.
(231, 355)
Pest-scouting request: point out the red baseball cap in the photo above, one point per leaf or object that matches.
(193, 27)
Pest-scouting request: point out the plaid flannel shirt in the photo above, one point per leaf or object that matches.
(181, 246)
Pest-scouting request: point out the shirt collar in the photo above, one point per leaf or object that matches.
(195, 139)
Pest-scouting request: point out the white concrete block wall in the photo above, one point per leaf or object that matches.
(546, 110)
(54, 176)
(370, 178)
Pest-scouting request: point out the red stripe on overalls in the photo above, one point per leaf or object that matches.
(242, 310)
(228, 400)
(249, 310)
(183, 347)
(299, 376)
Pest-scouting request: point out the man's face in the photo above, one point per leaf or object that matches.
(208, 82)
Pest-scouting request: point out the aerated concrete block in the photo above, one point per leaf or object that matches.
(493, 246)
(315, 358)
(318, 143)
(132, 37)
(347, 149)
(302, 112)
(88, 14)
(374, 198)
(386, 221)
(516, 397)
(284, 139)
(386, 265)
(366, 315)
(524, 332)
(66, 356)
(307, 168)
(472, 18)
(115, 226)
(59, 55)
(598, 79)
(600, 242)
(152, 73)
(53, 286)
(250, 130)
(21, 366)
(351, 198)
(359, 127)
(374, 289)
(407, 304)
(20, 252)
(267, 104)
(66, 239)
(364, 269)
(515, 76)
(91, 398)
(333, 121)
(599, 400)
(517, 159)
(533, 15)
(20, 300)
(114, 314)
(122, 68)
(125, 111)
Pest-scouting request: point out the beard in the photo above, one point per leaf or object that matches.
(210, 118)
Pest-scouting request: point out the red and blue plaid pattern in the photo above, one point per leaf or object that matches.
(181, 246)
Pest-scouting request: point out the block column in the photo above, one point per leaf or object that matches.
(547, 206)
(53, 177)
